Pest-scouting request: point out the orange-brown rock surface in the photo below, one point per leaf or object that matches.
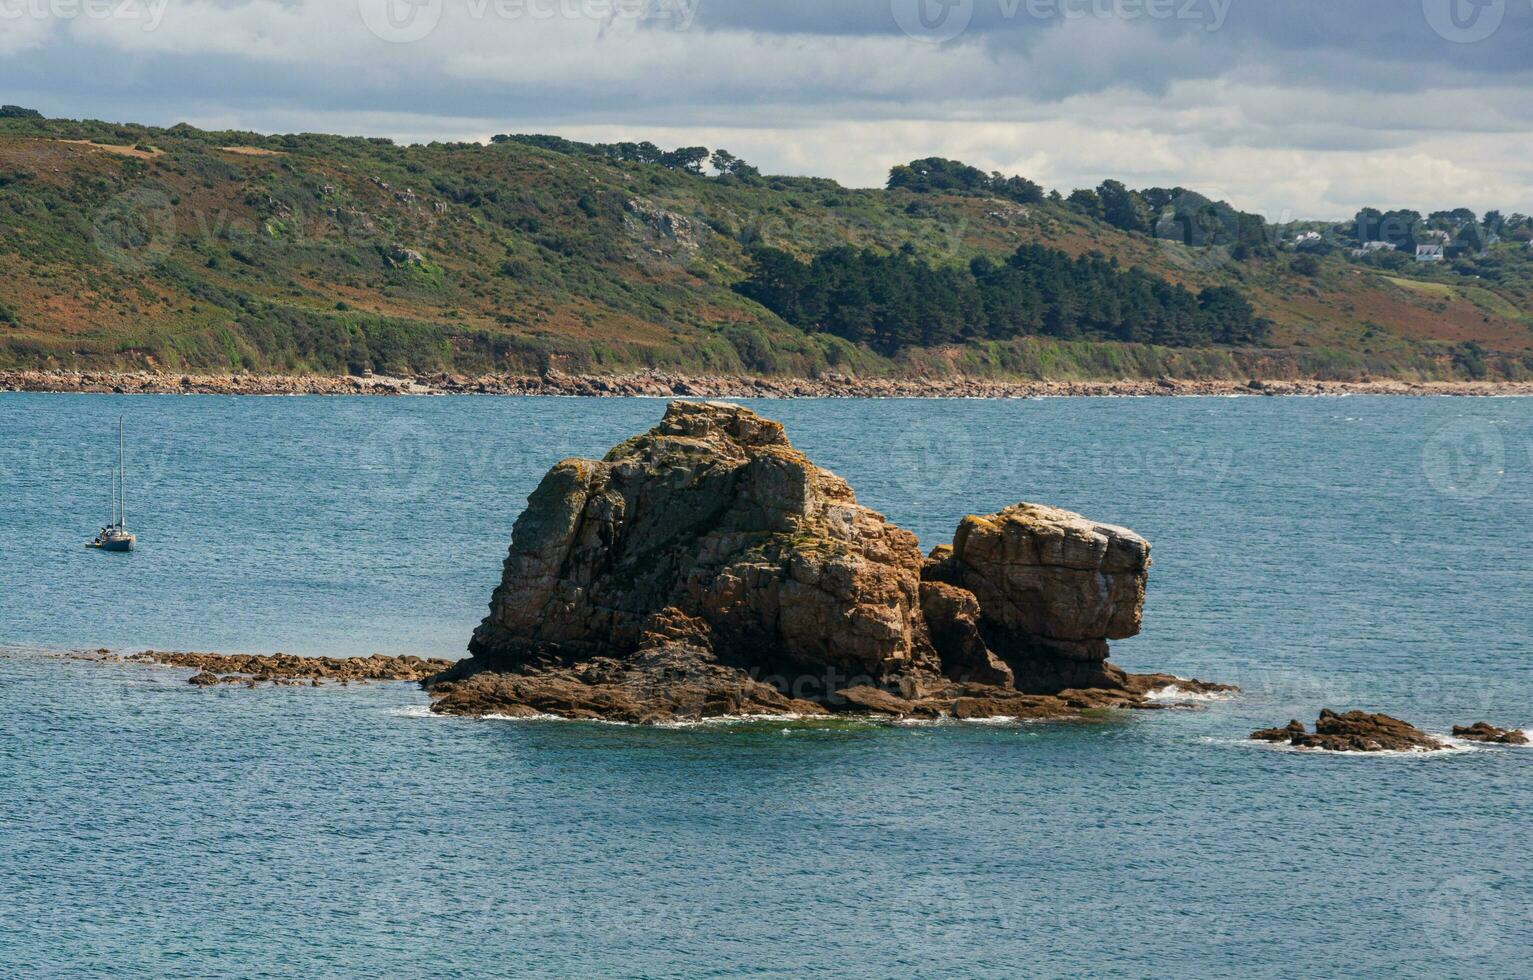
(287, 668)
(1484, 732)
(1354, 731)
(708, 568)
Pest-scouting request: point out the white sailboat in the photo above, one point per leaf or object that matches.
(115, 536)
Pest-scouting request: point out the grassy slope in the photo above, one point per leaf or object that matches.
(284, 254)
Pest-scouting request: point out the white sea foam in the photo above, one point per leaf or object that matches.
(412, 711)
(1454, 747)
(1175, 692)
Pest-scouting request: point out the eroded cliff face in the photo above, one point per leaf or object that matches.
(707, 567)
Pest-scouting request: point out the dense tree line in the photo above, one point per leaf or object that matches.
(688, 159)
(1176, 214)
(892, 301)
(937, 175)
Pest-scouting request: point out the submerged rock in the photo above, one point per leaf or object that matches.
(1355, 731)
(1483, 732)
(708, 568)
(286, 670)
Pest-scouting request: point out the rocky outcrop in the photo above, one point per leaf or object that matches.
(1483, 732)
(287, 669)
(708, 568)
(1285, 734)
(1051, 589)
(1355, 731)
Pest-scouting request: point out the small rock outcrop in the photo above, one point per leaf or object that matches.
(1355, 731)
(1483, 732)
(708, 568)
(286, 669)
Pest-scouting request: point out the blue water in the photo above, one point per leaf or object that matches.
(1345, 553)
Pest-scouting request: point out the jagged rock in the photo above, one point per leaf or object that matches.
(952, 619)
(1355, 731)
(204, 679)
(714, 513)
(876, 701)
(1483, 732)
(1053, 588)
(707, 567)
(399, 255)
(646, 218)
(1285, 734)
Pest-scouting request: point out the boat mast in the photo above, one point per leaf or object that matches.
(122, 481)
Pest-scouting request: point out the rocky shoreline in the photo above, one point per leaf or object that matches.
(663, 385)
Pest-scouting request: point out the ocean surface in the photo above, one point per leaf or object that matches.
(1343, 552)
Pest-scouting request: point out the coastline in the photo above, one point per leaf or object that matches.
(664, 385)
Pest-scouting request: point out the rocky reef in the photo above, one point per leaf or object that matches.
(1360, 731)
(1355, 731)
(707, 568)
(1484, 732)
(285, 669)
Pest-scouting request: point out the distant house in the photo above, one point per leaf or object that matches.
(1307, 237)
(1430, 253)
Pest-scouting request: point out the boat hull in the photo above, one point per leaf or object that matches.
(117, 544)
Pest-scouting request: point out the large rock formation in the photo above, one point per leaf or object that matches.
(709, 568)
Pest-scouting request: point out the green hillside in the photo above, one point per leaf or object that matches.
(130, 247)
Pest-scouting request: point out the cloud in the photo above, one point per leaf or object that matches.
(1309, 106)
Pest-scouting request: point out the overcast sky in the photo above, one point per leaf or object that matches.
(1296, 108)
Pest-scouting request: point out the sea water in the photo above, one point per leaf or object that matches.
(1348, 553)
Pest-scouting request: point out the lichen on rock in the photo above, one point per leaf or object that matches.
(708, 568)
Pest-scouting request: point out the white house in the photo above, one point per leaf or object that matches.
(1429, 253)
